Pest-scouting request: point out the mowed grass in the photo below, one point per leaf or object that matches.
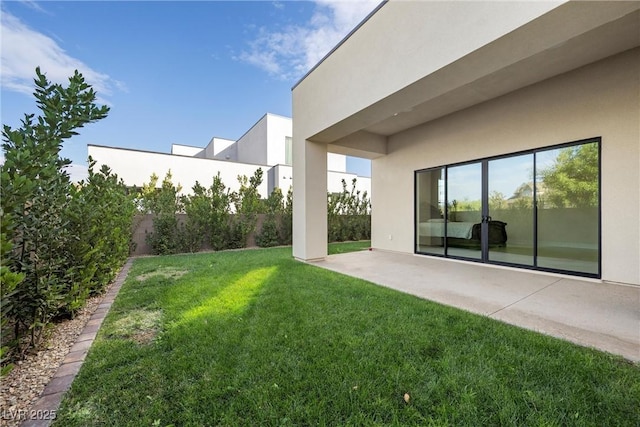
(343, 247)
(254, 337)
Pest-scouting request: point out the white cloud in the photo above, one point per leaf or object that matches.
(23, 49)
(32, 4)
(288, 54)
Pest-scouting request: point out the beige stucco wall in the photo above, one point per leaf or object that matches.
(601, 99)
(309, 200)
(416, 38)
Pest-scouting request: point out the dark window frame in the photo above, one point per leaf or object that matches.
(534, 151)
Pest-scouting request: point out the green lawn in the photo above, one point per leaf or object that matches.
(342, 247)
(257, 338)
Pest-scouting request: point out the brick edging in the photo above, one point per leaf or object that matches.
(44, 410)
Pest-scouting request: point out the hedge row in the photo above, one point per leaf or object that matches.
(349, 214)
(209, 220)
(60, 242)
(220, 219)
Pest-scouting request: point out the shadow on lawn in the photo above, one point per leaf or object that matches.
(256, 338)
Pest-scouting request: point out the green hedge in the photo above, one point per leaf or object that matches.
(60, 241)
(209, 217)
(348, 214)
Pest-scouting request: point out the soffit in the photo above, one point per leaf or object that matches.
(505, 65)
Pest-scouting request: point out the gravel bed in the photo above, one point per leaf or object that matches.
(20, 389)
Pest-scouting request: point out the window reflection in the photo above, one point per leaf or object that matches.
(430, 211)
(540, 209)
(464, 210)
(567, 192)
(511, 203)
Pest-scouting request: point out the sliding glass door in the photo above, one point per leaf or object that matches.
(510, 202)
(464, 211)
(568, 199)
(430, 210)
(538, 209)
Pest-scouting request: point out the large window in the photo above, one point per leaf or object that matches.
(538, 209)
(430, 211)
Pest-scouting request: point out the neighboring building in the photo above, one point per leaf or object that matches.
(455, 101)
(266, 145)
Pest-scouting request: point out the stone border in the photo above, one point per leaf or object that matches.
(43, 412)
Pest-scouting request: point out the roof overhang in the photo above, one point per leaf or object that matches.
(566, 38)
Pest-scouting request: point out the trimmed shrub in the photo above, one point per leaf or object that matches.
(286, 220)
(163, 203)
(60, 242)
(269, 234)
(209, 215)
(349, 214)
(247, 205)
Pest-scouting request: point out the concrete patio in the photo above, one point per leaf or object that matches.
(588, 312)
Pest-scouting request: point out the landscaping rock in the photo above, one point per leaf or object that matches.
(20, 389)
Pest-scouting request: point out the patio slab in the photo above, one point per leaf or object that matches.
(588, 312)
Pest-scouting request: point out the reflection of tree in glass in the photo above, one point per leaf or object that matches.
(497, 200)
(572, 180)
(521, 203)
(469, 205)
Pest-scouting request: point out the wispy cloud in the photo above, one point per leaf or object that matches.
(23, 49)
(32, 4)
(288, 54)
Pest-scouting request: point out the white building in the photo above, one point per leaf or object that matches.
(267, 145)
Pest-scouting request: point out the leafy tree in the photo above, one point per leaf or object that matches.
(9, 280)
(286, 225)
(100, 212)
(209, 215)
(35, 190)
(219, 214)
(572, 180)
(497, 201)
(269, 234)
(197, 206)
(348, 214)
(163, 203)
(247, 205)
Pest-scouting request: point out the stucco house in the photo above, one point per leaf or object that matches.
(459, 104)
(267, 145)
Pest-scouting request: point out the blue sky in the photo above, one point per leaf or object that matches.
(172, 72)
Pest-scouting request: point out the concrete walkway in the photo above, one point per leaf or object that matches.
(591, 313)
